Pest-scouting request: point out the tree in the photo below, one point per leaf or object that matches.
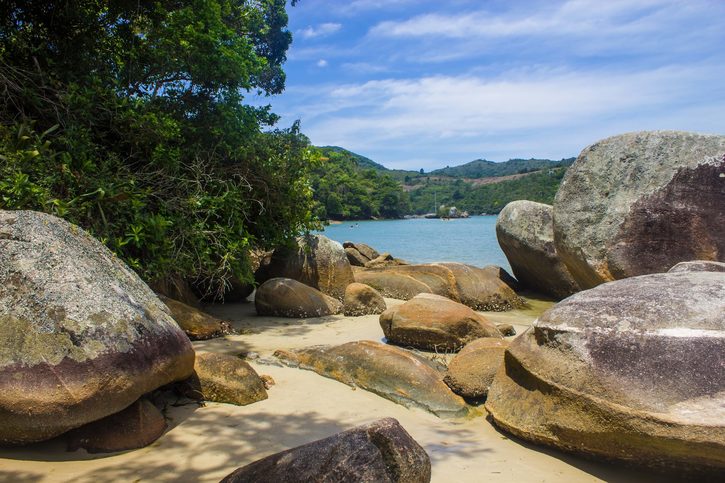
(127, 117)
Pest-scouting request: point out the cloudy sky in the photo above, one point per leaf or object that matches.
(424, 84)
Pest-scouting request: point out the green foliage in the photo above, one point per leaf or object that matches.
(346, 186)
(538, 186)
(127, 118)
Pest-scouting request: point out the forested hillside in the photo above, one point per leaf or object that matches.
(348, 186)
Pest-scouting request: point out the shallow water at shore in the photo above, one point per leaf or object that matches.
(466, 240)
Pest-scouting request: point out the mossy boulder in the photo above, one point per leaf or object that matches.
(81, 336)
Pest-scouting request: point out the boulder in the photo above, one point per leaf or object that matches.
(361, 299)
(314, 260)
(381, 451)
(225, 379)
(393, 284)
(639, 203)
(284, 297)
(390, 372)
(471, 371)
(355, 258)
(432, 322)
(81, 336)
(482, 288)
(525, 232)
(135, 427)
(478, 288)
(383, 260)
(698, 266)
(176, 288)
(631, 370)
(196, 324)
(365, 250)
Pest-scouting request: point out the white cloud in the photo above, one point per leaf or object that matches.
(322, 30)
(543, 113)
(322, 63)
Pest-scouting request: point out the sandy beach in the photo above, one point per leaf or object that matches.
(207, 443)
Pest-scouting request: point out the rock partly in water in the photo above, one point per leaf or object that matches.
(698, 266)
(432, 322)
(361, 299)
(525, 232)
(196, 324)
(471, 372)
(225, 379)
(639, 203)
(284, 297)
(81, 336)
(314, 260)
(478, 288)
(381, 451)
(390, 372)
(631, 370)
(135, 427)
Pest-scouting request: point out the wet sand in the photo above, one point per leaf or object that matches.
(207, 443)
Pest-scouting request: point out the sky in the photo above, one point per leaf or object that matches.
(424, 84)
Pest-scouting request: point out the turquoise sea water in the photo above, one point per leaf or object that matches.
(471, 240)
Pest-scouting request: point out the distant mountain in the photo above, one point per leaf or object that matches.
(360, 160)
(481, 168)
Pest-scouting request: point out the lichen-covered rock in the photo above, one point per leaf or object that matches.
(381, 451)
(639, 203)
(196, 324)
(225, 379)
(284, 297)
(471, 371)
(698, 266)
(507, 330)
(631, 370)
(432, 322)
(135, 427)
(361, 299)
(315, 260)
(390, 372)
(525, 232)
(81, 336)
(478, 288)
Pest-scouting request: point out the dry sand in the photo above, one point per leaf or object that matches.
(207, 443)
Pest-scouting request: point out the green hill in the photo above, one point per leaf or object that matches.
(350, 186)
(482, 168)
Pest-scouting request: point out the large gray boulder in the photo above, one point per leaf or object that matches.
(284, 297)
(631, 370)
(314, 260)
(525, 232)
(390, 372)
(639, 203)
(432, 322)
(81, 336)
(381, 451)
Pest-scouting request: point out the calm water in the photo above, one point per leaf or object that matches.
(471, 240)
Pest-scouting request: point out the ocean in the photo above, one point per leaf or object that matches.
(466, 240)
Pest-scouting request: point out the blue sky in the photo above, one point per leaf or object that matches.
(424, 84)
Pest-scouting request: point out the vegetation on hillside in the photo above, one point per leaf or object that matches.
(347, 186)
(482, 168)
(128, 119)
(539, 186)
